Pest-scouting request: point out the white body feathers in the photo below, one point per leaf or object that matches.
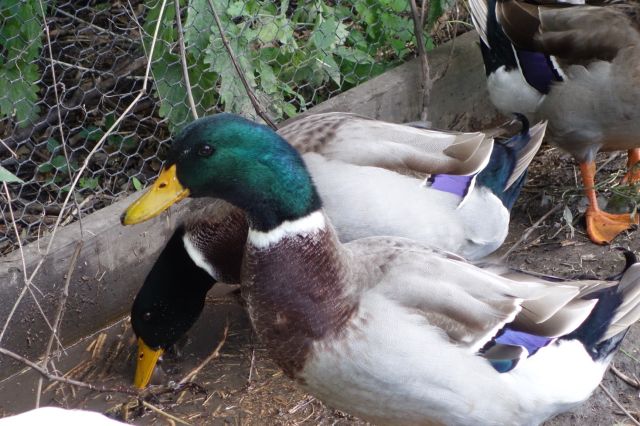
(366, 201)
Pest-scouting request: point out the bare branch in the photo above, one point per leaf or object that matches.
(216, 352)
(58, 317)
(9, 149)
(183, 60)
(85, 164)
(63, 140)
(28, 284)
(425, 82)
(628, 380)
(423, 10)
(164, 413)
(108, 133)
(252, 96)
(620, 406)
(529, 231)
(45, 373)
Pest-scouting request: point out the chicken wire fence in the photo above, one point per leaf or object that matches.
(64, 84)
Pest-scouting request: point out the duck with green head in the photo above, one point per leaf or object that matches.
(354, 161)
(386, 328)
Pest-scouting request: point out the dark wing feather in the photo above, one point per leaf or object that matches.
(575, 34)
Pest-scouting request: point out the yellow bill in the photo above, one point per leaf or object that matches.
(147, 359)
(164, 192)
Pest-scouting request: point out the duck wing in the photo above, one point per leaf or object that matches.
(408, 149)
(470, 305)
(575, 34)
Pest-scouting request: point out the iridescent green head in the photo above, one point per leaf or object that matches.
(248, 164)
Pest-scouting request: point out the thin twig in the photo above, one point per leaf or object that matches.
(183, 60)
(58, 317)
(423, 9)
(216, 352)
(252, 96)
(28, 284)
(251, 366)
(615, 401)
(57, 97)
(94, 26)
(85, 164)
(164, 413)
(9, 149)
(452, 50)
(628, 380)
(75, 66)
(528, 232)
(44, 372)
(425, 81)
(613, 156)
(74, 183)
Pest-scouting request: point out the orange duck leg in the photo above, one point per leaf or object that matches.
(633, 167)
(603, 227)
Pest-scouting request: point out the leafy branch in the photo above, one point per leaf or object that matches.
(293, 55)
(20, 45)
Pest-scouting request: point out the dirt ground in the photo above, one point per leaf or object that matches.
(241, 386)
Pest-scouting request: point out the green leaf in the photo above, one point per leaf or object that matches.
(232, 91)
(436, 9)
(91, 133)
(7, 176)
(59, 162)
(354, 55)
(136, 183)
(395, 5)
(289, 110)
(330, 66)
(52, 144)
(88, 183)
(268, 79)
(45, 168)
(237, 8)
(329, 33)
(21, 42)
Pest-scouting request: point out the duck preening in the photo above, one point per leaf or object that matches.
(387, 328)
(575, 65)
(466, 214)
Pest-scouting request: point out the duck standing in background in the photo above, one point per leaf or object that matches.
(386, 328)
(466, 214)
(577, 66)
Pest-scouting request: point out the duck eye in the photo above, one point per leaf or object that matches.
(205, 150)
(146, 316)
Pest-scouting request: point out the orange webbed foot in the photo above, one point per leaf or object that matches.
(632, 176)
(603, 227)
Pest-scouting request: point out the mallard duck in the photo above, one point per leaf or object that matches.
(387, 328)
(54, 416)
(382, 202)
(380, 168)
(576, 66)
(443, 211)
(206, 248)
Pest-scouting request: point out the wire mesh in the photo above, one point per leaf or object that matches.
(294, 54)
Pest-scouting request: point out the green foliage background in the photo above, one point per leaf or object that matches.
(294, 54)
(20, 45)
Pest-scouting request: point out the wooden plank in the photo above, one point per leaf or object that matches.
(114, 259)
(112, 264)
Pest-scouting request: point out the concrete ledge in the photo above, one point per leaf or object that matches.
(114, 260)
